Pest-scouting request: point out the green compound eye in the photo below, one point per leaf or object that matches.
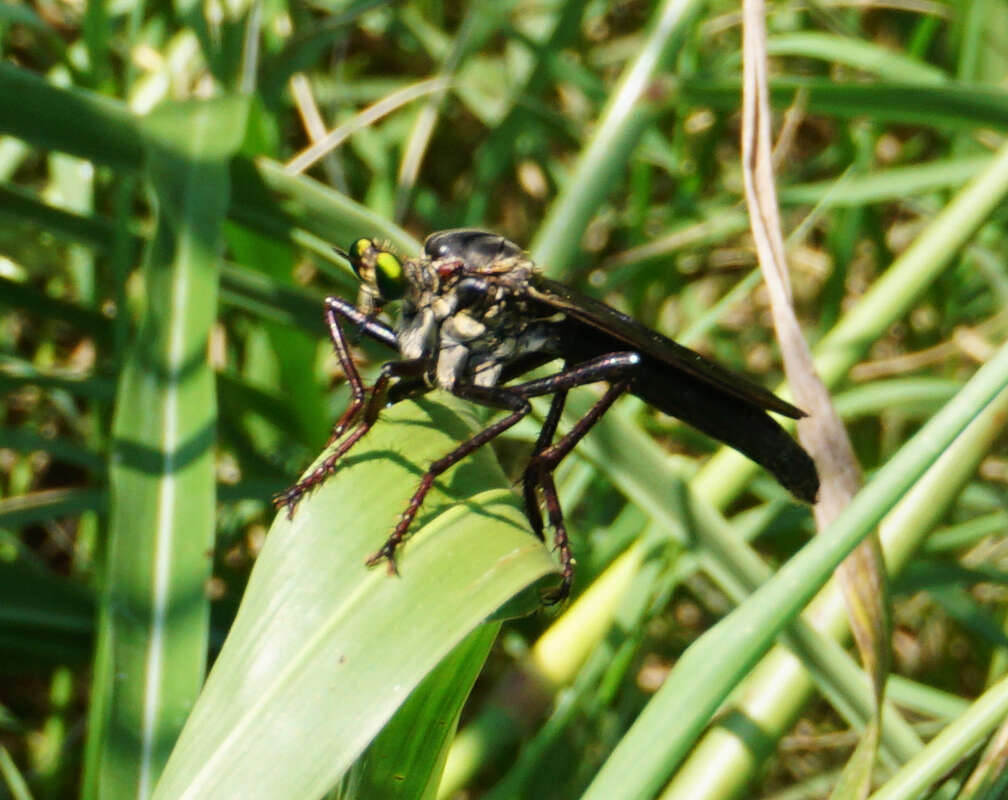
(389, 275)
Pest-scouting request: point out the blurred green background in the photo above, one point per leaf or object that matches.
(174, 177)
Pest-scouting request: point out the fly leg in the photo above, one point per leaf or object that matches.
(336, 307)
(371, 409)
(362, 407)
(540, 472)
(487, 396)
(543, 441)
(609, 367)
(614, 367)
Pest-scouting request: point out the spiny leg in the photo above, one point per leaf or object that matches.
(612, 367)
(336, 307)
(539, 472)
(494, 397)
(514, 398)
(543, 441)
(560, 540)
(318, 476)
(615, 367)
(373, 407)
(549, 458)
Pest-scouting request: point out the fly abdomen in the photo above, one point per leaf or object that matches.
(739, 424)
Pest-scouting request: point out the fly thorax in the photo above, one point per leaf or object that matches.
(417, 333)
(462, 327)
(423, 310)
(452, 360)
(468, 322)
(463, 341)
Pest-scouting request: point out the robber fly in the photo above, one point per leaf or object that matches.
(475, 316)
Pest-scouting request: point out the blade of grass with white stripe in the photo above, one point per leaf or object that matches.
(154, 612)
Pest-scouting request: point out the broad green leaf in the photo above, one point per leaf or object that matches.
(401, 764)
(325, 649)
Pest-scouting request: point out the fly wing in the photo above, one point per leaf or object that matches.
(656, 347)
(685, 385)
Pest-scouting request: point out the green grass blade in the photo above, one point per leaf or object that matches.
(27, 440)
(15, 295)
(44, 618)
(949, 747)
(241, 287)
(93, 127)
(77, 122)
(320, 210)
(950, 105)
(713, 665)
(13, 779)
(50, 504)
(778, 689)
(884, 62)
(617, 132)
(892, 184)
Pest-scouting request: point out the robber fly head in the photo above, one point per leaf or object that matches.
(380, 272)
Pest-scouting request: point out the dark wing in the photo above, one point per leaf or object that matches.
(652, 344)
(685, 385)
